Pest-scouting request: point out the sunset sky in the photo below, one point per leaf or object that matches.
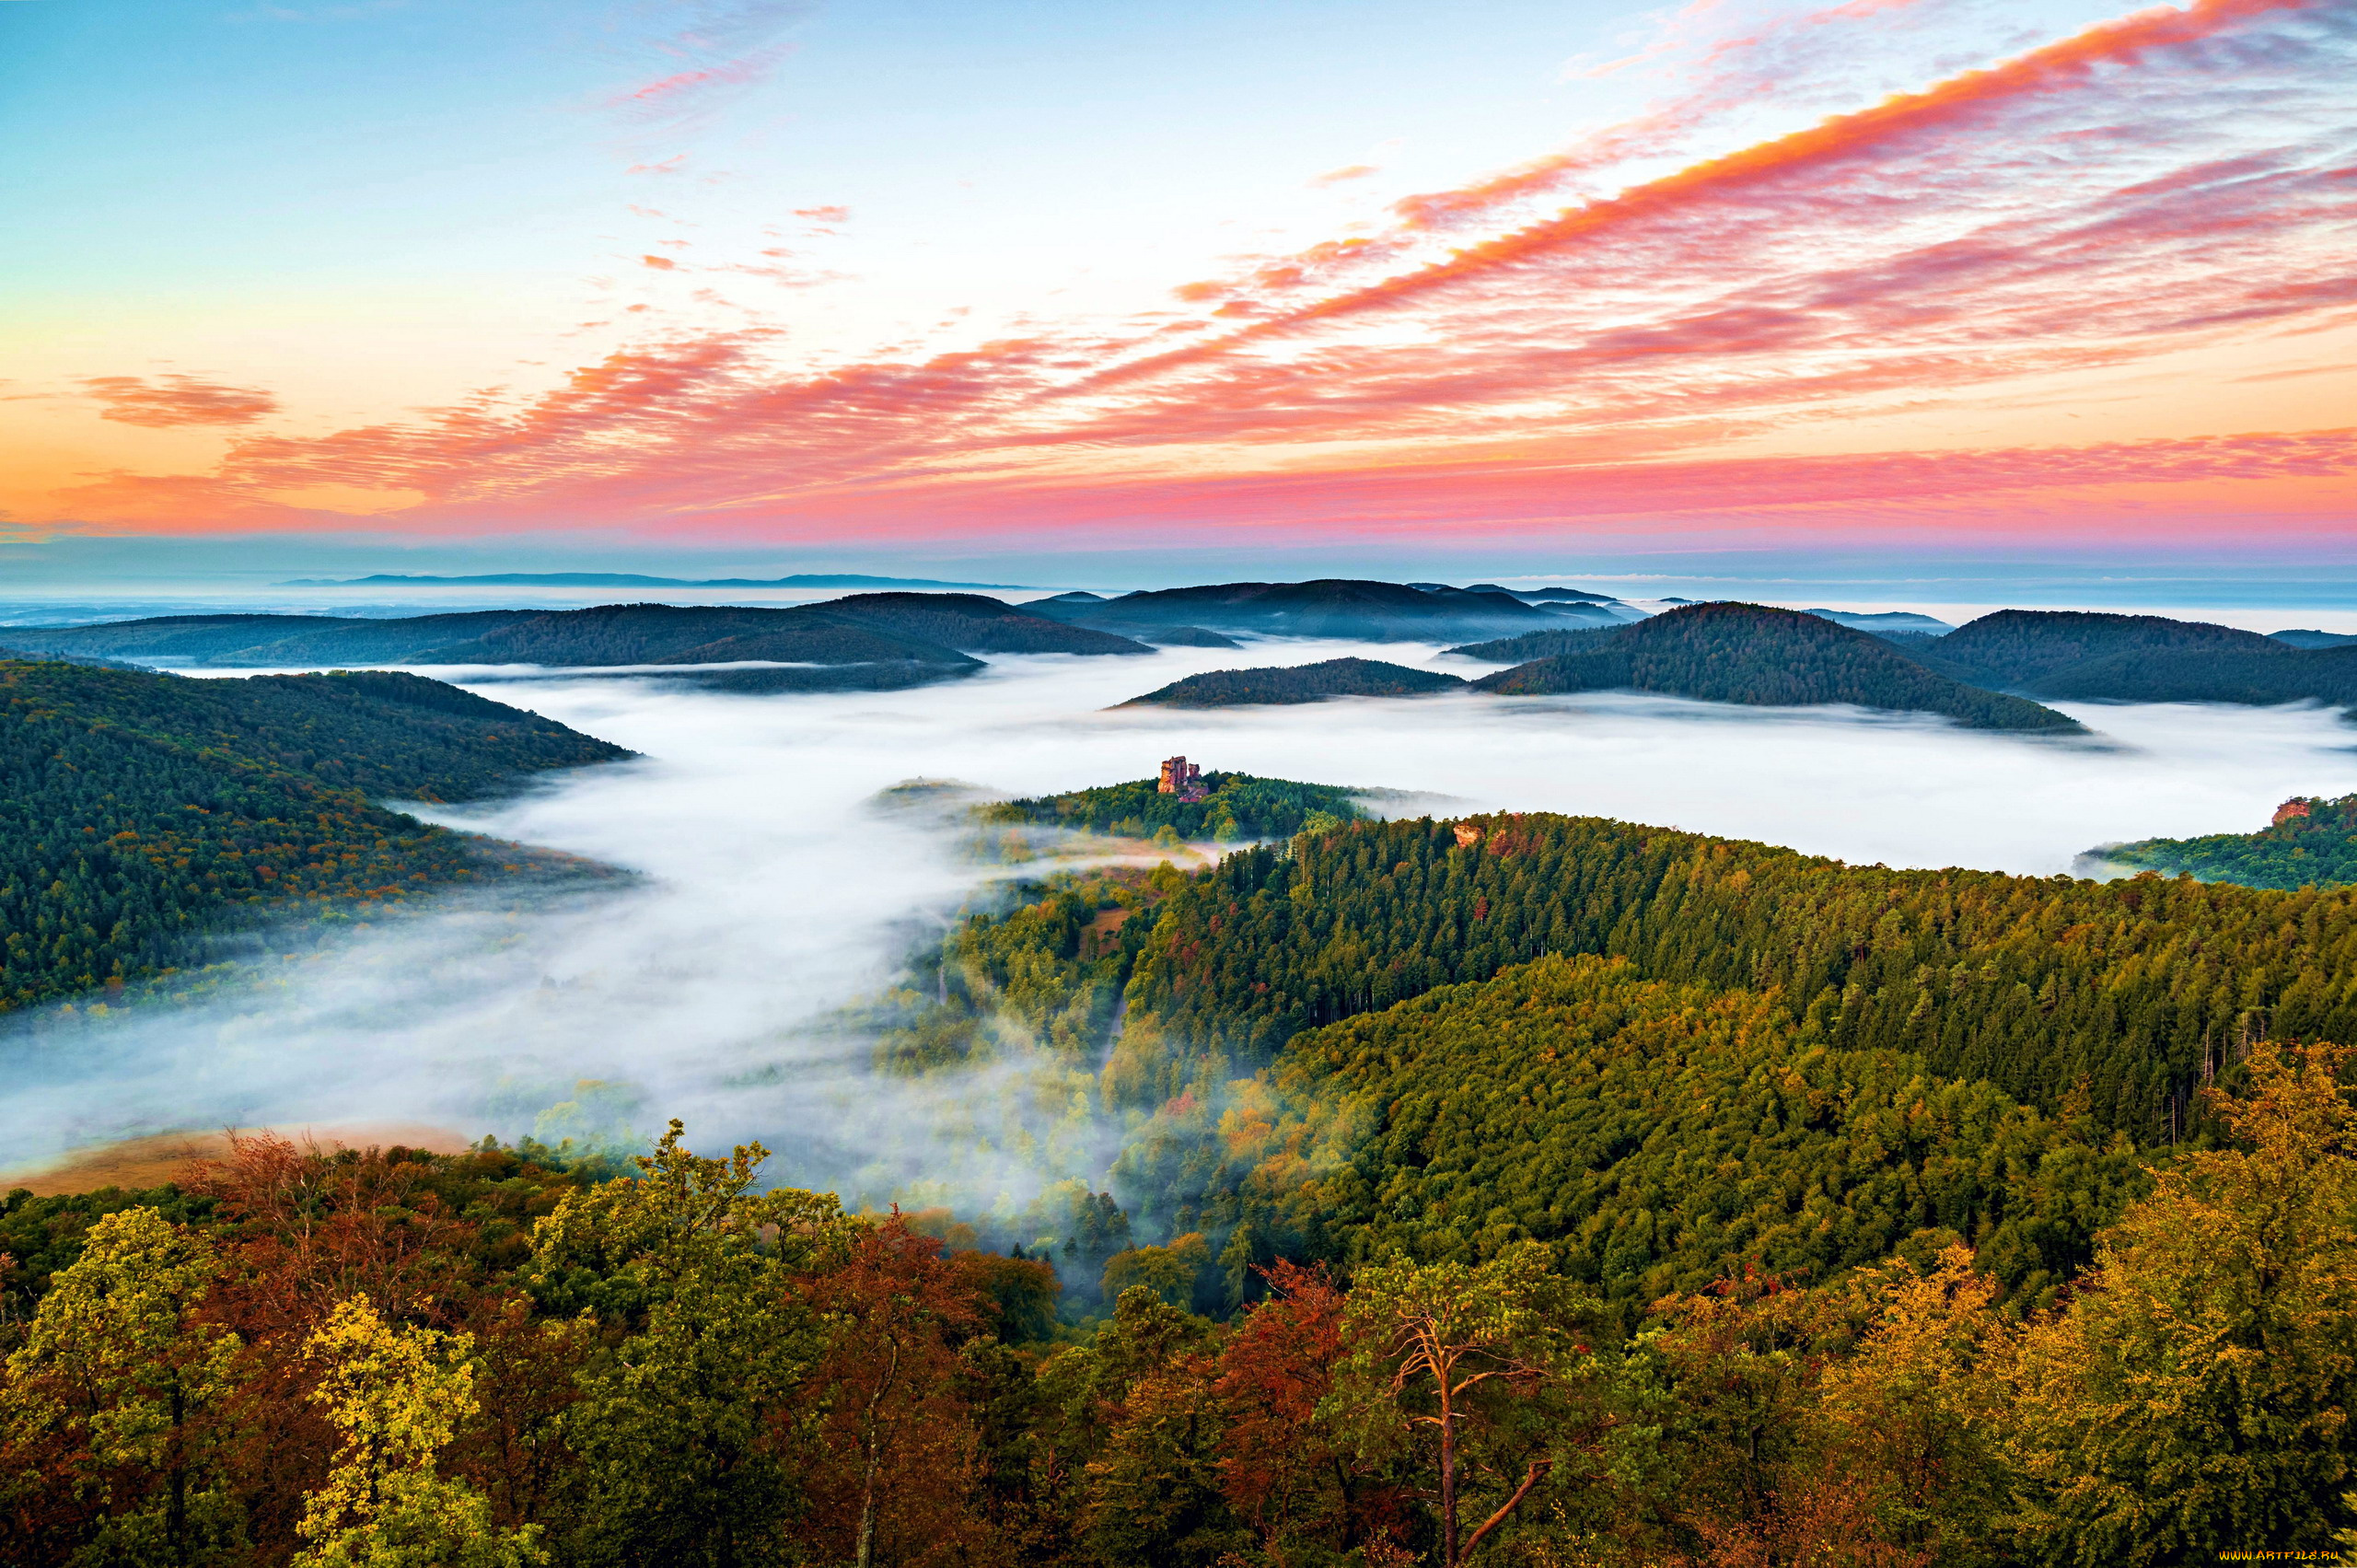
(906, 280)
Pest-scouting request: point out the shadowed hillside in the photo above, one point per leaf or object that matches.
(136, 808)
(1748, 653)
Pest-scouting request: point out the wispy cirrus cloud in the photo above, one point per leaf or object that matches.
(717, 50)
(164, 402)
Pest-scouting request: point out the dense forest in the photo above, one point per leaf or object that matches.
(1298, 683)
(2311, 843)
(1748, 653)
(138, 811)
(493, 1360)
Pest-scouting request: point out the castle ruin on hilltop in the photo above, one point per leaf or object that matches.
(1183, 779)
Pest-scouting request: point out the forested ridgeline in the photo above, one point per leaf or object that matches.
(485, 1360)
(138, 810)
(2312, 843)
(1751, 654)
(1334, 607)
(1298, 683)
(906, 628)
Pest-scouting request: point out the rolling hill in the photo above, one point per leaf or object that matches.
(1297, 683)
(2019, 648)
(1751, 653)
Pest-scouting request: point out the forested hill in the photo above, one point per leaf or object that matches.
(2019, 647)
(1234, 807)
(2044, 986)
(2087, 656)
(2311, 843)
(1654, 1136)
(1751, 654)
(137, 810)
(1298, 683)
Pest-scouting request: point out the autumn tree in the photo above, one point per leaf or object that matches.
(397, 1395)
(1288, 1471)
(896, 1446)
(688, 1414)
(118, 1385)
(2195, 1394)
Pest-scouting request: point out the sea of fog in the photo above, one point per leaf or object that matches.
(770, 891)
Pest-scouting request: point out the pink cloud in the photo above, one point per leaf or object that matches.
(174, 399)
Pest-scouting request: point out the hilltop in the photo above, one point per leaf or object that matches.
(138, 810)
(1298, 683)
(1751, 654)
(1233, 807)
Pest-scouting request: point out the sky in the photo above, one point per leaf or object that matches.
(866, 282)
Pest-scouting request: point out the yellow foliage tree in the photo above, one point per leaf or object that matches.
(398, 1395)
(116, 1366)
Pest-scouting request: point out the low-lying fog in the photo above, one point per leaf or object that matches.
(771, 893)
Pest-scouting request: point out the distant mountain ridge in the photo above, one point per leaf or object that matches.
(942, 632)
(1341, 608)
(637, 580)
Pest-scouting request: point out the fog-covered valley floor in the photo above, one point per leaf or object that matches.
(770, 891)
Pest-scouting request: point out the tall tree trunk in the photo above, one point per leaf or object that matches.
(1447, 1477)
(874, 1446)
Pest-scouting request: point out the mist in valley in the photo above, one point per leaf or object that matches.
(769, 892)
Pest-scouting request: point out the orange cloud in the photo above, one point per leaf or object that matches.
(823, 214)
(660, 263)
(174, 399)
(1339, 176)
